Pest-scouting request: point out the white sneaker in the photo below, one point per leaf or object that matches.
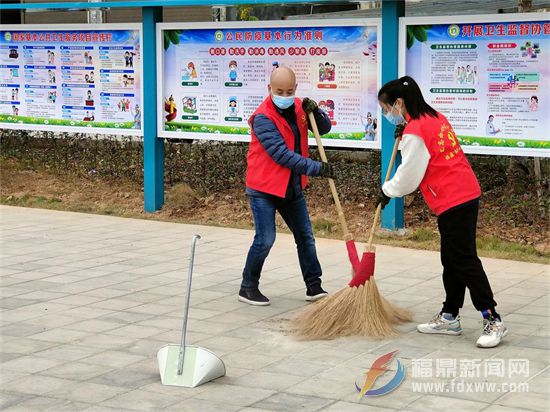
(438, 324)
(493, 332)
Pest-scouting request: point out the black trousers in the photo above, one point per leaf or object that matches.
(461, 267)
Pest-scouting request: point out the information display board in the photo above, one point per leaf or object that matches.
(213, 77)
(489, 75)
(78, 78)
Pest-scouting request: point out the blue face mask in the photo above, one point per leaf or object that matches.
(282, 102)
(395, 120)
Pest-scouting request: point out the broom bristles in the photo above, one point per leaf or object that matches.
(397, 313)
(352, 311)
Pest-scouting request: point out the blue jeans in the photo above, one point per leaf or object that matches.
(295, 214)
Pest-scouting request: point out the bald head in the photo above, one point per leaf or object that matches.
(282, 82)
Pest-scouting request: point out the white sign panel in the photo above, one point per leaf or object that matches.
(73, 78)
(489, 75)
(213, 77)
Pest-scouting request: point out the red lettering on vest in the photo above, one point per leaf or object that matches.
(449, 180)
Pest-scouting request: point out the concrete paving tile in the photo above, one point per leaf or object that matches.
(54, 321)
(6, 356)
(341, 406)
(222, 345)
(10, 291)
(115, 359)
(16, 303)
(267, 380)
(8, 376)
(323, 388)
(30, 364)
(99, 340)
(291, 402)
(126, 378)
(152, 309)
(532, 401)
(93, 325)
(25, 345)
(144, 347)
(36, 384)
(60, 335)
(88, 312)
(234, 395)
(77, 300)
(126, 316)
(68, 352)
(535, 342)
(539, 384)
(500, 408)
(41, 295)
(180, 391)
(8, 399)
(120, 264)
(21, 329)
(77, 371)
(429, 403)
(43, 403)
(114, 304)
(247, 360)
(19, 315)
(142, 401)
(88, 392)
(135, 331)
(193, 405)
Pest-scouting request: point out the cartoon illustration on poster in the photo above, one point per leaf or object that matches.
(213, 79)
(73, 79)
(491, 80)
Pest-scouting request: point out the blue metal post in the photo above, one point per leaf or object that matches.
(153, 147)
(393, 213)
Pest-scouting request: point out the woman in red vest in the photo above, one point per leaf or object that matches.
(433, 160)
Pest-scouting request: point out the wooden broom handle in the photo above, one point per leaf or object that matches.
(341, 217)
(368, 247)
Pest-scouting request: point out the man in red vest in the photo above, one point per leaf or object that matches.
(278, 164)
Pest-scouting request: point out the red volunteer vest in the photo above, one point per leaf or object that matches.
(263, 173)
(449, 180)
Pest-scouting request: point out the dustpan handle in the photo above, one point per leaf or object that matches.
(343, 223)
(368, 247)
(187, 300)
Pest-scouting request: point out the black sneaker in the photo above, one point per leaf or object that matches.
(315, 292)
(253, 297)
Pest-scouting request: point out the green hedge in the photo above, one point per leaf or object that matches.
(216, 166)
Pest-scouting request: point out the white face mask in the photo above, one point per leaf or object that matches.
(395, 120)
(282, 102)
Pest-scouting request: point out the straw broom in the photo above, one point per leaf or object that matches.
(358, 309)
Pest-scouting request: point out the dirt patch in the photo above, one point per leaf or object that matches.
(504, 231)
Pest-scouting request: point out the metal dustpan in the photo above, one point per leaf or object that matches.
(186, 365)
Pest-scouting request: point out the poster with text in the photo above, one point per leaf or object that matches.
(489, 75)
(213, 79)
(74, 79)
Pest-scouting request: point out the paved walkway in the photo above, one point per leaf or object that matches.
(88, 300)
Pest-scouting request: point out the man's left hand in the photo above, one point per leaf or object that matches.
(308, 105)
